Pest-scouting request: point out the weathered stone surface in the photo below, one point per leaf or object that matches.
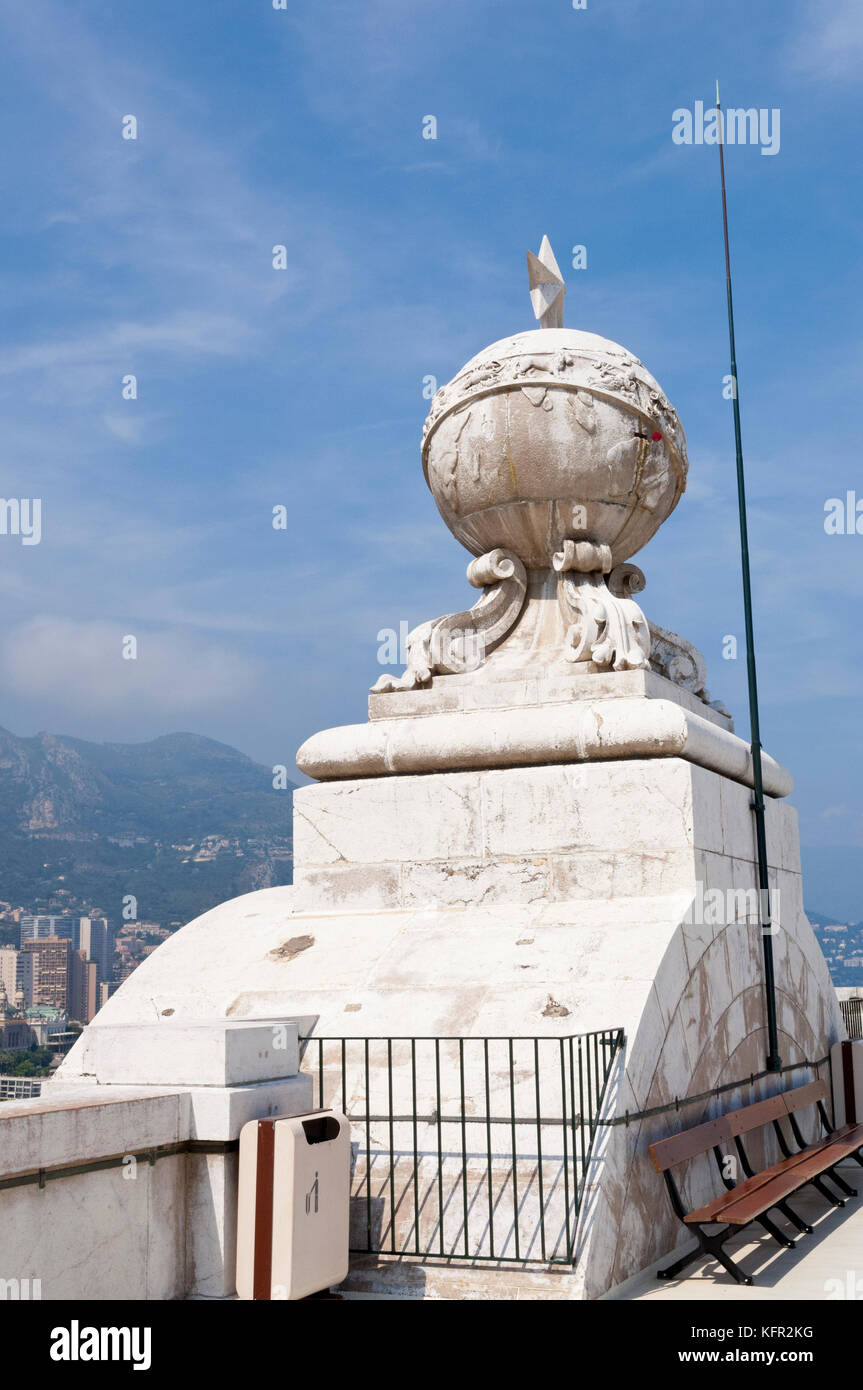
(544, 830)
(476, 690)
(543, 420)
(182, 1053)
(581, 731)
(138, 1229)
(471, 934)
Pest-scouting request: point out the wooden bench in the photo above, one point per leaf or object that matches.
(757, 1193)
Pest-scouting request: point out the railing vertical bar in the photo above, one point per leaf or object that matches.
(369, 1245)
(597, 1085)
(576, 1186)
(589, 1091)
(392, 1148)
(539, 1146)
(463, 1142)
(515, 1211)
(582, 1137)
(488, 1147)
(416, 1152)
(565, 1151)
(439, 1144)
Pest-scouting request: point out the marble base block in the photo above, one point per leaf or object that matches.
(539, 901)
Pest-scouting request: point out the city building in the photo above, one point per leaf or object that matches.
(62, 979)
(14, 1029)
(17, 972)
(96, 936)
(93, 936)
(36, 1025)
(83, 987)
(106, 989)
(51, 970)
(49, 1027)
(63, 925)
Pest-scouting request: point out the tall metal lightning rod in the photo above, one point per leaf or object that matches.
(773, 1060)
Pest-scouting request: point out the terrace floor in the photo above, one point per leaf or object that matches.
(826, 1265)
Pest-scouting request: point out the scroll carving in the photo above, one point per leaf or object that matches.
(679, 661)
(460, 642)
(604, 625)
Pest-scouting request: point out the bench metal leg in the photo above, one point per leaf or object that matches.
(818, 1184)
(734, 1270)
(842, 1184)
(709, 1245)
(775, 1232)
(791, 1215)
(671, 1271)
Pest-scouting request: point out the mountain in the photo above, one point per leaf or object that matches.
(181, 823)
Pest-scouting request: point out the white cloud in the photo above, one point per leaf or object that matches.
(188, 332)
(131, 426)
(175, 675)
(828, 43)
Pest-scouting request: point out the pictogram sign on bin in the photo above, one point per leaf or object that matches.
(293, 1210)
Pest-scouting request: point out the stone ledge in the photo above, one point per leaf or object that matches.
(489, 689)
(207, 1052)
(610, 729)
(221, 1113)
(80, 1123)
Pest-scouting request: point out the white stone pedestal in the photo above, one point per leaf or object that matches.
(536, 901)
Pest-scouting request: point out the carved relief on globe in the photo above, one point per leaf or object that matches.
(546, 425)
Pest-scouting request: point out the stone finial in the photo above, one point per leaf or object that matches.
(552, 457)
(547, 288)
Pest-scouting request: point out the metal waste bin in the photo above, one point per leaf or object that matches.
(293, 1208)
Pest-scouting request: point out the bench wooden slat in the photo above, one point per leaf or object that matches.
(833, 1152)
(801, 1167)
(689, 1143)
(847, 1131)
(754, 1204)
(715, 1210)
(762, 1112)
(809, 1094)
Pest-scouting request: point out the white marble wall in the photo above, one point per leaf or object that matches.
(141, 1230)
(458, 903)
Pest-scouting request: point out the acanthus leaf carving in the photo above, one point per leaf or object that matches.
(460, 642)
(681, 662)
(603, 626)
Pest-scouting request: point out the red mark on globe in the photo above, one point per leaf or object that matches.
(656, 436)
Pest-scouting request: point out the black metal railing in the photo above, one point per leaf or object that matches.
(466, 1148)
(852, 1013)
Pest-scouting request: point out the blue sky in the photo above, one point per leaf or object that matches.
(303, 387)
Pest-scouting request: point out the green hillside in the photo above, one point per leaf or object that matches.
(181, 822)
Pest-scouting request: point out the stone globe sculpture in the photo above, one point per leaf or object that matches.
(551, 433)
(553, 456)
